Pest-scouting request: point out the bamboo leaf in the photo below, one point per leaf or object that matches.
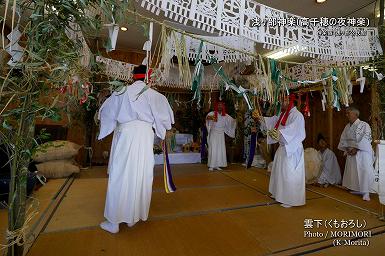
(6, 125)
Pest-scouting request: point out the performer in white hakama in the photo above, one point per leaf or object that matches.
(287, 180)
(356, 142)
(218, 123)
(132, 117)
(331, 173)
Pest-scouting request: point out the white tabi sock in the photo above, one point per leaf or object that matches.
(366, 197)
(286, 205)
(110, 227)
(211, 169)
(130, 225)
(219, 169)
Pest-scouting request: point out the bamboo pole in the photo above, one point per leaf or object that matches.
(381, 21)
(19, 172)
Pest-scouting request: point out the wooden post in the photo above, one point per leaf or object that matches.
(375, 110)
(381, 21)
(330, 126)
(315, 130)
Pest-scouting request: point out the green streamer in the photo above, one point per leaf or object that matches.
(228, 83)
(275, 77)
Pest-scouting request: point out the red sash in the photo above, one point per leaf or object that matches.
(284, 115)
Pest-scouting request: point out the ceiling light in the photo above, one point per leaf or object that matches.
(320, 1)
(123, 28)
(285, 52)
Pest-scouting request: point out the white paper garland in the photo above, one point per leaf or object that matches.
(210, 51)
(117, 69)
(237, 17)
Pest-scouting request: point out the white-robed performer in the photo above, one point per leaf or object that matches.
(287, 180)
(331, 173)
(131, 164)
(356, 142)
(218, 123)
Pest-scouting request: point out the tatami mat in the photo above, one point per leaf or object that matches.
(211, 213)
(375, 246)
(253, 231)
(339, 193)
(259, 181)
(207, 179)
(281, 229)
(83, 205)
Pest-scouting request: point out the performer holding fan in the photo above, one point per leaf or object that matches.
(287, 180)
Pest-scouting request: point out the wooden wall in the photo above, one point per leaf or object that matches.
(129, 56)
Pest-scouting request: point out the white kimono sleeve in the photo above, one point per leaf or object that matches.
(330, 163)
(230, 125)
(268, 125)
(209, 123)
(364, 137)
(163, 114)
(107, 116)
(292, 131)
(344, 140)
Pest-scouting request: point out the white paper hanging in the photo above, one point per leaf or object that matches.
(362, 80)
(237, 18)
(145, 61)
(113, 31)
(380, 76)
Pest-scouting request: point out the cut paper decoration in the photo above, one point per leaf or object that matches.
(362, 80)
(113, 31)
(380, 76)
(13, 48)
(260, 23)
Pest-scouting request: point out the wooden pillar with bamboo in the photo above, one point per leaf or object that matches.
(375, 110)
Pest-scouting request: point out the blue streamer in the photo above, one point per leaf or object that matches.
(253, 144)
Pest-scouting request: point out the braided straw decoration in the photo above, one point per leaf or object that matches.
(19, 236)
